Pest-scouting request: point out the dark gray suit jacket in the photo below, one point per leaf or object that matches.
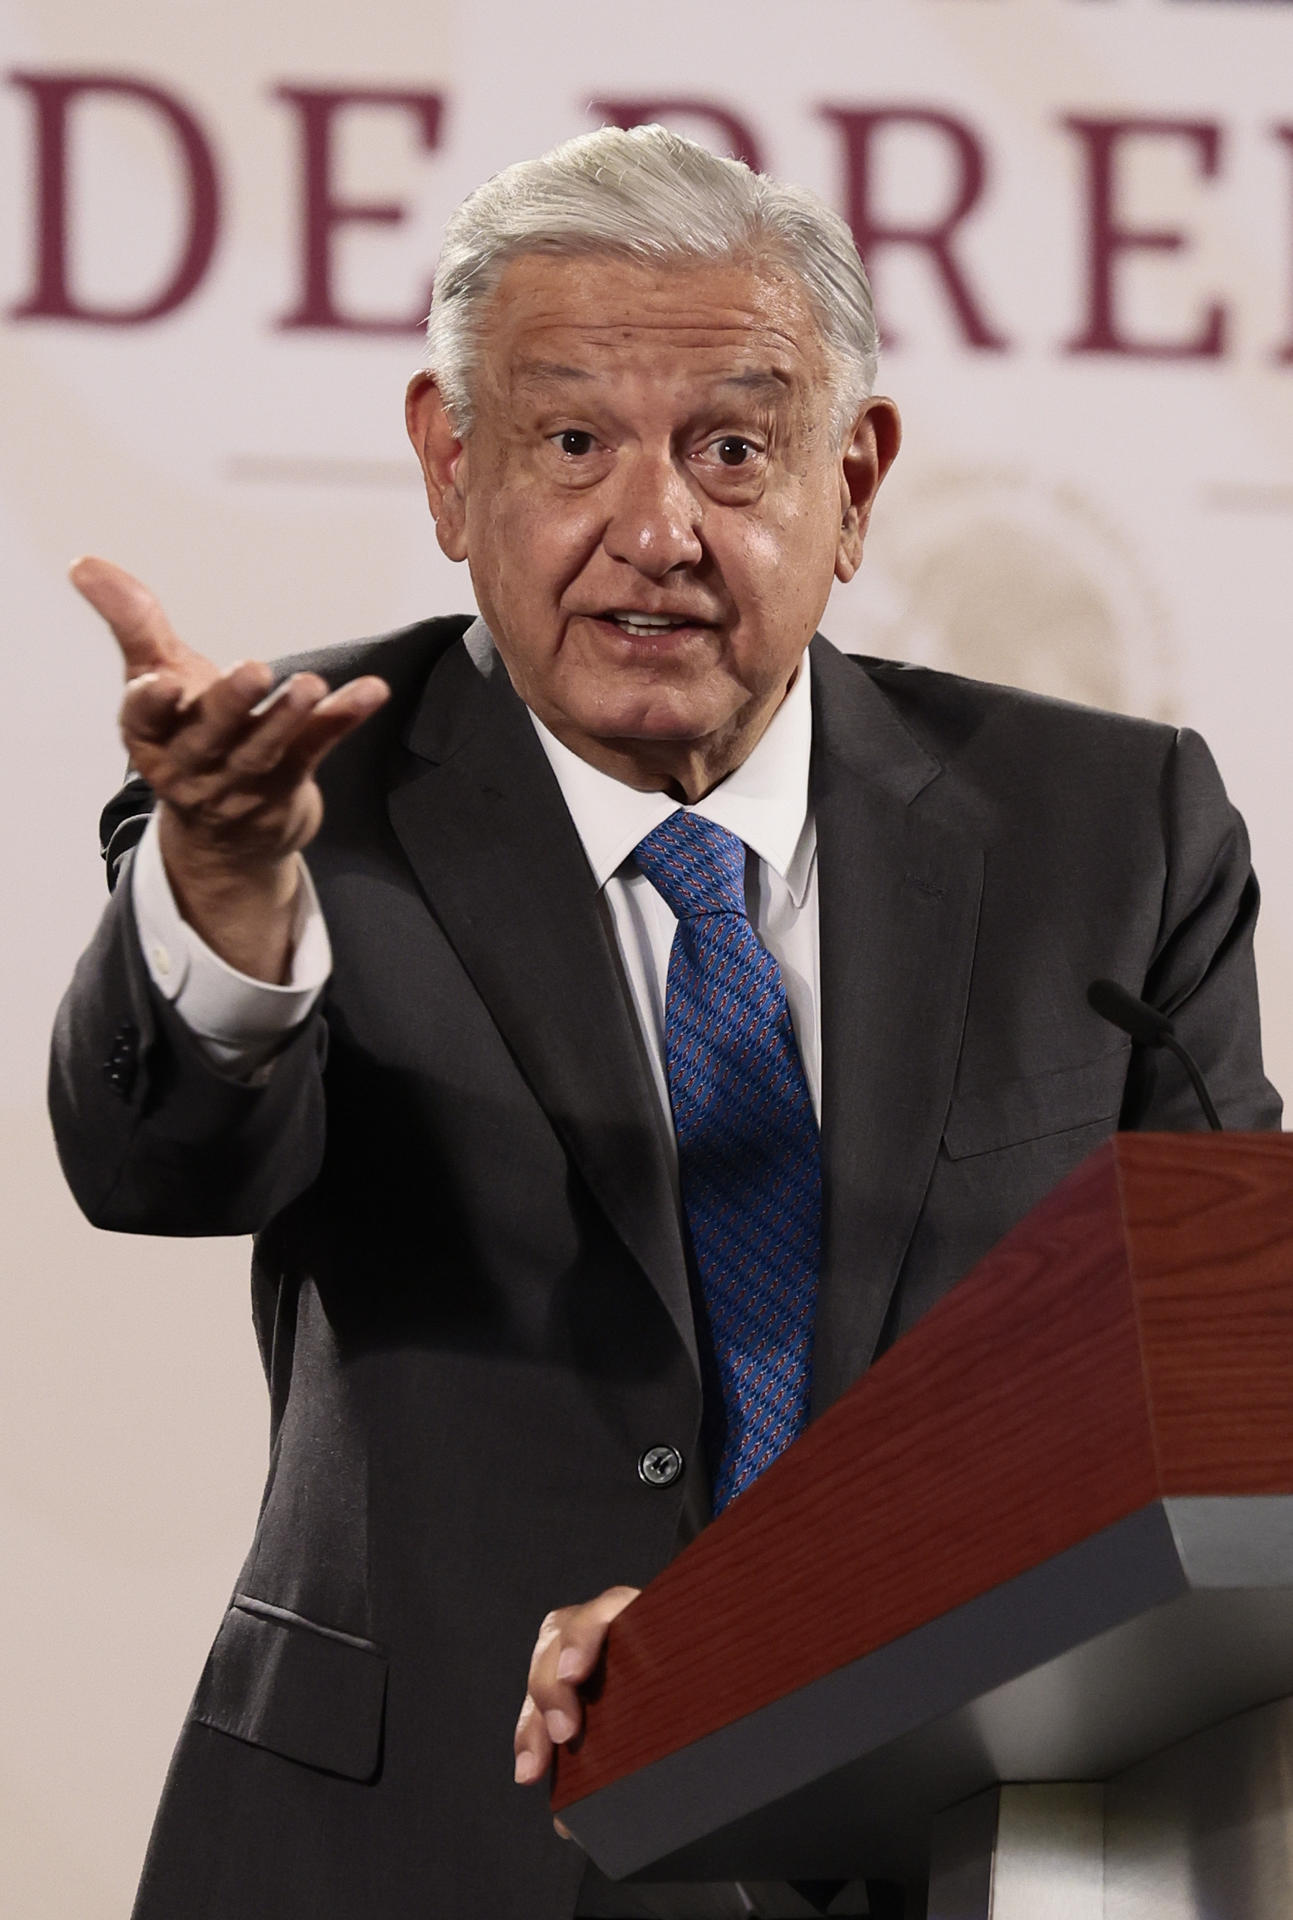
(470, 1284)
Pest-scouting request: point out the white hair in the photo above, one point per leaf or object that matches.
(646, 195)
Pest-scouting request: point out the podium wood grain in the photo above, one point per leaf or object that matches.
(1147, 1353)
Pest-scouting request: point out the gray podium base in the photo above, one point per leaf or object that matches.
(1200, 1831)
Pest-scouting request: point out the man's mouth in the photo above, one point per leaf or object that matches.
(649, 626)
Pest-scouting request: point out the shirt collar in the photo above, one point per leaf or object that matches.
(764, 801)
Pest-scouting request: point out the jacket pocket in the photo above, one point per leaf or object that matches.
(302, 1690)
(1037, 1106)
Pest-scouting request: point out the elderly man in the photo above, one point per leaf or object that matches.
(699, 1005)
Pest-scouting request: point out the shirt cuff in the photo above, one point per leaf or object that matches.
(239, 1022)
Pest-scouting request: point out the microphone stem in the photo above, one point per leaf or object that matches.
(1196, 1080)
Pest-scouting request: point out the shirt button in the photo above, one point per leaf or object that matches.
(660, 1466)
(161, 959)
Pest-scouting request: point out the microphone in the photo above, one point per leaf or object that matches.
(1148, 1028)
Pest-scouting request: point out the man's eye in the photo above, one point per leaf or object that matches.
(732, 450)
(575, 441)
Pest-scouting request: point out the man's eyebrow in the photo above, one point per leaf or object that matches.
(536, 371)
(766, 380)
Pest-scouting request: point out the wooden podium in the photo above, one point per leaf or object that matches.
(1047, 1537)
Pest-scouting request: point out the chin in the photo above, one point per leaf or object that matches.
(665, 721)
(658, 710)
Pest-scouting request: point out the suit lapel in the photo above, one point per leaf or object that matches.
(899, 884)
(484, 826)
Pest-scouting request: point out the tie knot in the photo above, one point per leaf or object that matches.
(696, 866)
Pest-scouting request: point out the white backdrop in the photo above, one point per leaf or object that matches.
(1096, 498)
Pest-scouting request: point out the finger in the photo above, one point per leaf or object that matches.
(336, 716)
(144, 634)
(569, 1647)
(553, 1697)
(286, 733)
(151, 707)
(570, 1644)
(275, 725)
(220, 715)
(531, 1745)
(556, 1704)
(579, 1658)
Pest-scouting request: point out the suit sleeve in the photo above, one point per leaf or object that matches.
(154, 1138)
(1201, 973)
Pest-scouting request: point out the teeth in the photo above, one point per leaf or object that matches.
(653, 622)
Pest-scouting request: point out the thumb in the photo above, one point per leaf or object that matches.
(144, 634)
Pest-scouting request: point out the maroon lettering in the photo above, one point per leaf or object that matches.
(1285, 353)
(736, 135)
(52, 296)
(863, 131)
(322, 213)
(1109, 241)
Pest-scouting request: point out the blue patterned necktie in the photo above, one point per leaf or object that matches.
(748, 1147)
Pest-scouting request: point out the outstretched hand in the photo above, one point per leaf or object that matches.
(232, 765)
(565, 1655)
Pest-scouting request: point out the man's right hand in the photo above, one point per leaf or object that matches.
(233, 772)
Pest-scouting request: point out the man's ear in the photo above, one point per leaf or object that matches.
(443, 460)
(868, 455)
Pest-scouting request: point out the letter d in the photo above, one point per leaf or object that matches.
(52, 298)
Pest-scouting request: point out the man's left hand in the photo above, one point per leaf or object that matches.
(565, 1655)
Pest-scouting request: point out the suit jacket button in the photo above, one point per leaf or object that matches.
(660, 1466)
(120, 1065)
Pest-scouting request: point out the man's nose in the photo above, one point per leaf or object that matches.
(654, 522)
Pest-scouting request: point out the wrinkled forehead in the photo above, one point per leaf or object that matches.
(597, 317)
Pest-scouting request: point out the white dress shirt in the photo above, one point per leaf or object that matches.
(765, 804)
(240, 1021)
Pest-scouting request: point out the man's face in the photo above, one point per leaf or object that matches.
(653, 501)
